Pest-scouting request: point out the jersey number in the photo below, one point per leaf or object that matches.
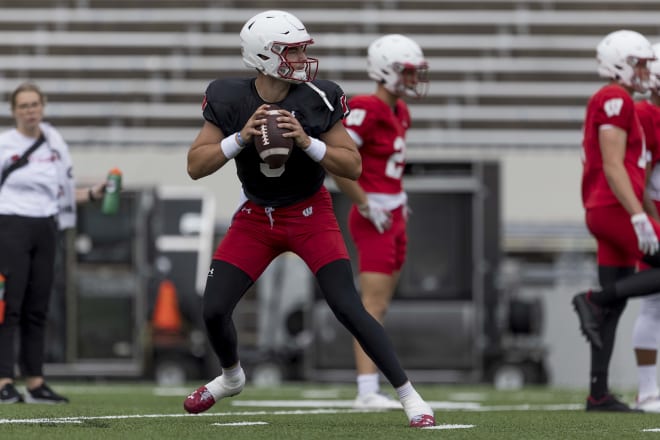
(356, 117)
(395, 163)
(267, 171)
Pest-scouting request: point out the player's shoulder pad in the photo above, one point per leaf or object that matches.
(227, 89)
(615, 90)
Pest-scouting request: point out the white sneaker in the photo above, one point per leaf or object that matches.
(650, 404)
(376, 401)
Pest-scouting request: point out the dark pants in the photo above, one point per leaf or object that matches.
(27, 258)
(226, 285)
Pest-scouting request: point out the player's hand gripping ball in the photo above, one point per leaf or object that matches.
(271, 146)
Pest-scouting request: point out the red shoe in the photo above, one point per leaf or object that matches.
(418, 412)
(199, 400)
(422, 421)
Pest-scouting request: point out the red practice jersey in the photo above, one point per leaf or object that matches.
(382, 132)
(649, 117)
(611, 105)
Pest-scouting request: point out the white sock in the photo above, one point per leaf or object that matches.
(232, 373)
(367, 384)
(412, 402)
(215, 387)
(407, 390)
(648, 383)
(229, 375)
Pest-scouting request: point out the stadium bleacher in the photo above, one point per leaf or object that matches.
(505, 73)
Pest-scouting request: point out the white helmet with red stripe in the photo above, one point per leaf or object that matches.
(619, 53)
(392, 55)
(265, 40)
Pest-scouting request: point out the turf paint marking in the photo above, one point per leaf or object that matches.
(320, 394)
(442, 405)
(240, 424)
(322, 407)
(466, 396)
(41, 421)
(82, 419)
(140, 416)
(323, 403)
(171, 391)
(447, 426)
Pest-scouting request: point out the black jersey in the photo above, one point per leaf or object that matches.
(229, 103)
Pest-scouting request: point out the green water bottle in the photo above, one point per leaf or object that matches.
(112, 189)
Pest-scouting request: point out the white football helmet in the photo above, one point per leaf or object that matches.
(387, 59)
(265, 40)
(654, 69)
(618, 54)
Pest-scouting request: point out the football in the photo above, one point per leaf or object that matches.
(271, 146)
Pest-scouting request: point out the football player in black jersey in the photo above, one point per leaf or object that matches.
(286, 208)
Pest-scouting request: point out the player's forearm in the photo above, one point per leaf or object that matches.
(204, 160)
(342, 162)
(352, 190)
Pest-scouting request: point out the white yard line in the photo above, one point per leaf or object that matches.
(323, 403)
(442, 405)
(80, 419)
(450, 427)
(321, 407)
(243, 423)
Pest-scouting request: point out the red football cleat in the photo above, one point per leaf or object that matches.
(199, 400)
(422, 421)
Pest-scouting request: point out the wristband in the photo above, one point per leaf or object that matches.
(316, 149)
(240, 140)
(230, 146)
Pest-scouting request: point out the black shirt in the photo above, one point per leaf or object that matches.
(229, 103)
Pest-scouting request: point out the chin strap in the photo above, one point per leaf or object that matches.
(321, 93)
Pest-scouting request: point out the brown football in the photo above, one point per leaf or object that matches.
(271, 146)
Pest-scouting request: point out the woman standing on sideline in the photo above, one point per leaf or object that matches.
(377, 222)
(37, 195)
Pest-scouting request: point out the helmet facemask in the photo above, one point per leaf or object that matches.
(639, 84)
(296, 72)
(412, 80)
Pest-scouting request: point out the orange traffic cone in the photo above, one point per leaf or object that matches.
(167, 315)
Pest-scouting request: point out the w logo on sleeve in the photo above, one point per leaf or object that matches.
(613, 106)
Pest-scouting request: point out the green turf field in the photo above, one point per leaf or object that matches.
(315, 411)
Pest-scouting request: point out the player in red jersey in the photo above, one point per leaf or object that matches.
(646, 332)
(377, 221)
(286, 208)
(613, 183)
